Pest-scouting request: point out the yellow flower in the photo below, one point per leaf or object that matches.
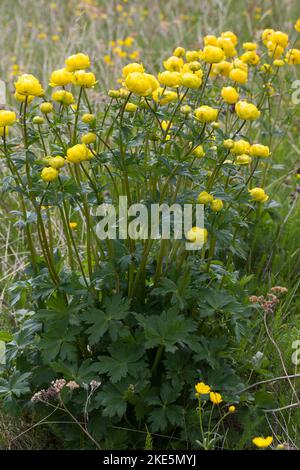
(179, 52)
(88, 118)
(197, 235)
(247, 111)
(229, 95)
(293, 57)
(266, 35)
(191, 56)
(88, 138)
(173, 64)
(163, 97)
(49, 174)
(64, 97)
(215, 398)
(279, 39)
(240, 147)
(56, 162)
(22, 98)
(191, 80)
(227, 46)
(171, 79)
(61, 77)
(230, 35)
(278, 63)
(73, 225)
(216, 205)
(131, 107)
(210, 40)
(297, 25)
(199, 151)
(213, 54)
(250, 57)
(238, 76)
(46, 107)
(205, 198)
(78, 62)
(133, 67)
(185, 109)
(202, 388)
(7, 118)
(114, 94)
(231, 409)
(77, 153)
(249, 46)
(222, 68)
(228, 143)
(84, 79)
(258, 150)
(38, 120)
(258, 195)
(262, 442)
(140, 84)
(28, 85)
(206, 114)
(243, 160)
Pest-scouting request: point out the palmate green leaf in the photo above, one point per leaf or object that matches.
(124, 359)
(167, 412)
(115, 309)
(113, 398)
(169, 329)
(59, 341)
(16, 385)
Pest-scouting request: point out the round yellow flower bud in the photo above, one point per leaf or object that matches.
(163, 97)
(293, 57)
(230, 35)
(231, 409)
(199, 151)
(205, 198)
(228, 143)
(197, 235)
(7, 118)
(46, 107)
(240, 147)
(61, 77)
(114, 94)
(88, 138)
(297, 25)
(191, 56)
(249, 46)
(73, 225)
(258, 150)
(238, 76)
(56, 162)
(88, 118)
(229, 95)
(179, 52)
(206, 114)
(185, 109)
(210, 40)
(191, 80)
(84, 79)
(64, 97)
(77, 153)
(38, 120)
(49, 174)
(173, 64)
(247, 111)
(140, 84)
(213, 54)
(243, 159)
(216, 205)
(171, 79)
(78, 62)
(258, 195)
(27, 85)
(131, 107)
(133, 67)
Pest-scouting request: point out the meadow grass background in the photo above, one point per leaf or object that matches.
(36, 37)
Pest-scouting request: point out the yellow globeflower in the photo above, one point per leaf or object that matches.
(249, 46)
(230, 35)
(28, 85)
(222, 68)
(247, 111)
(258, 150)
(64, 97)
(213, 54)
(163, 97)
(61, 77)
(206, 114)
(7, 118)
(170, 79)
(77, 153)
(231, 409)
(179, 52)
(139, 84)
(173, 64)
(227, 46)
(210, 40)
(243, 160)
(215, 398)
(23, 98)
(229, 95)
(239, 76)
(217, 205)
(258, 195)
(133, 67)
(293, 57)
(197, 235)
(240, 147)
(78, 62)
(88, 118)
(205, 198)
(202, 388)
(190, 80)
(279, 38)
(262, 442)
(191, 56)
(84, 79)
(56, 162)
(46, 107)
(73, 225)
(49, 174)
(199, 151)
(88, 138)
(131, 107)
(297, 25)
(266, 35)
